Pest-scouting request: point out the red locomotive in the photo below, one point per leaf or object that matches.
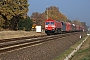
(53, 26)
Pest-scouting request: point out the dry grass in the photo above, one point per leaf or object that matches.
(15, 34)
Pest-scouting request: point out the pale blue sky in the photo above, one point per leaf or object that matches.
(73, 9)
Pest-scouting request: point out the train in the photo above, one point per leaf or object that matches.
(55, 27)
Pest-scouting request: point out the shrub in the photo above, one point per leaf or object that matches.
(25, 24)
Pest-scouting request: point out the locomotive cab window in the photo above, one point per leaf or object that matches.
(52, 23)
(47, 23)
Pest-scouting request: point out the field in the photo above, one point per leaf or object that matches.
(15, 34)
(82, 54)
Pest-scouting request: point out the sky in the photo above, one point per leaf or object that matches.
(73, 9)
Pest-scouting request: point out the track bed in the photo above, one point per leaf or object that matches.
(43, 51)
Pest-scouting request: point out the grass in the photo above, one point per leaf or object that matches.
(84, 52)
(67, 52)
(82, 55)
(16, 34)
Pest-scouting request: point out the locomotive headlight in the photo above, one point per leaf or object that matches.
(46, 26)
(53, 26)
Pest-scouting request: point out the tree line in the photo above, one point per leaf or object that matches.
(53, 13)
(13, 15)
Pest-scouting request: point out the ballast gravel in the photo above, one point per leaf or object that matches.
(45, 51)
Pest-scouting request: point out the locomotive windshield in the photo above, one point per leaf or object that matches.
(52, 23)
(49, 23)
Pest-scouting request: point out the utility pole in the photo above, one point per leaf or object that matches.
(88, 30)
(47, 12)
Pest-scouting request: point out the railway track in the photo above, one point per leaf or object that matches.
(16, 43)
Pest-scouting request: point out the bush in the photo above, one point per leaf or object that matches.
(25, 24)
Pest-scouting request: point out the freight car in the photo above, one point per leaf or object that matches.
(53, 27)
(66, 27)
